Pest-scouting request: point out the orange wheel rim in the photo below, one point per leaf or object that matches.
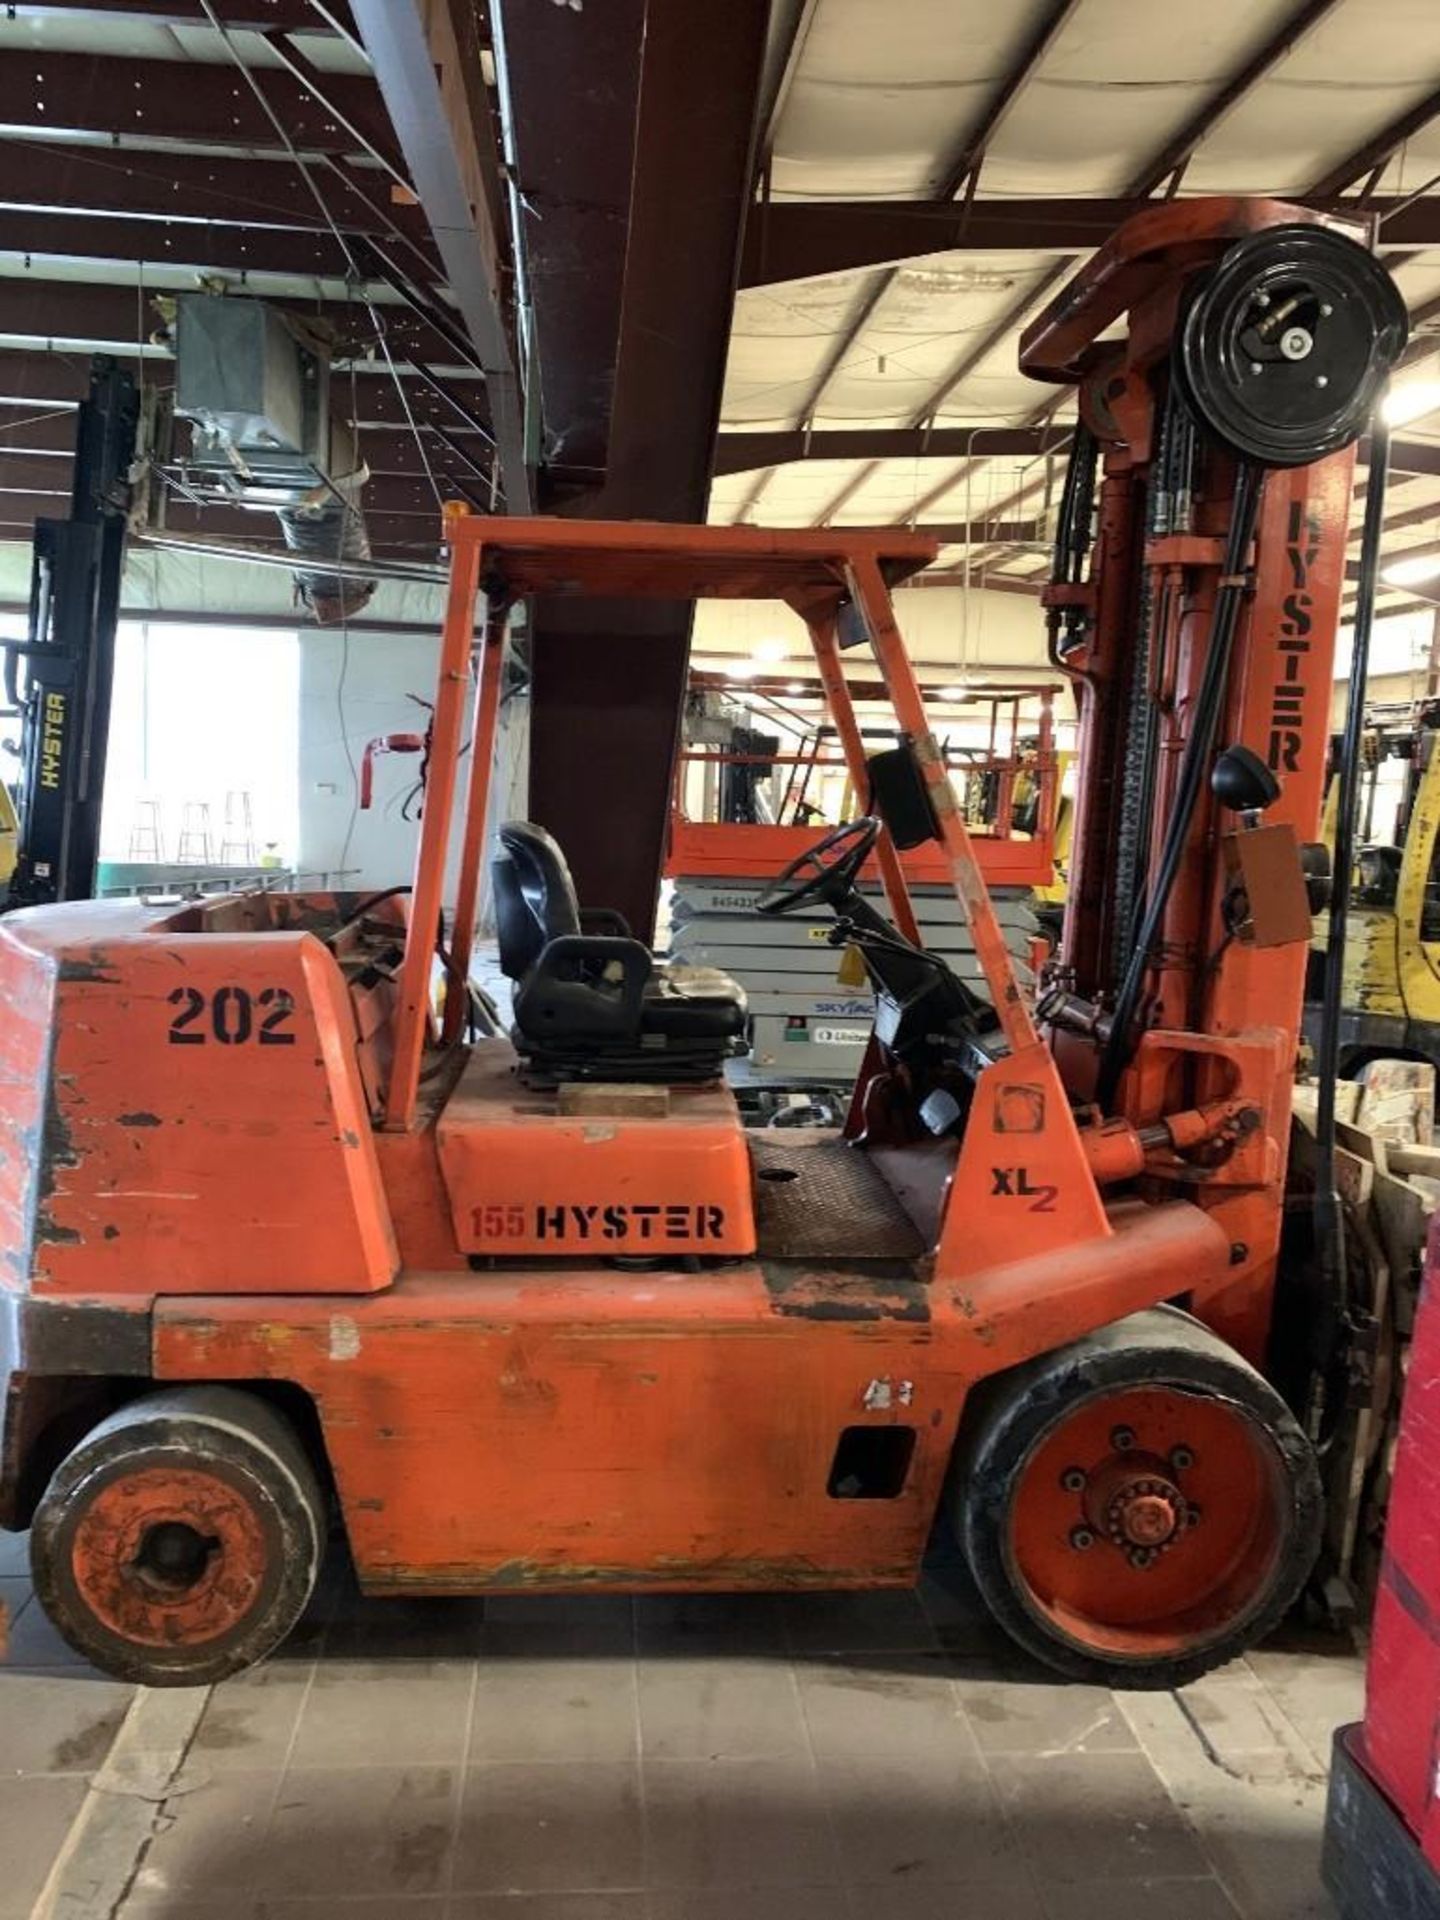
(170, 1557)
(1147, 1524)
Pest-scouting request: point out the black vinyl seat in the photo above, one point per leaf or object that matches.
(590, 1001)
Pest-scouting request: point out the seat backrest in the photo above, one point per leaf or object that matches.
(535, 899)
(517, 930)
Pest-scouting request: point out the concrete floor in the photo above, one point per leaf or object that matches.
(803, 1758)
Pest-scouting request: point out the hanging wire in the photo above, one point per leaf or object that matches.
(416, 434)
(140, 333)
(1409, 199)
(354, 274)
(345, 744)
(357, 280)
(337, 26)
(967, 582)
(36, 419)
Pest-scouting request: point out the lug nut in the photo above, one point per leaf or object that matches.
(1073, 1480)
(1181, 1458)
(1122, 1439)
(1142, 1557)
(1192, 1516)
(1081, 1539)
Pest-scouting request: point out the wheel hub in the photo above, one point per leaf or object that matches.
(169, 1556)
(1147, 1514)
(1132, 1500)
(173, 1556)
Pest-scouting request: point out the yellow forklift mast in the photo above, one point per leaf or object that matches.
(1392, 947)
(9, 835)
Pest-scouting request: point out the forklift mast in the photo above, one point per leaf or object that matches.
(59, 678)
(1199, 568)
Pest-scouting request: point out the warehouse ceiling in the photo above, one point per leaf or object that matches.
(152, 149)
(918, 195)
(925, 191)
(581, 257)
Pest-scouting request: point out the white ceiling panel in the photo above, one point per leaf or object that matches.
(877, 110)
(780, 341)
(1121, 80)
(885, 94)
(981, 491)
(893, 490)
(1353, 74)
(799, 493)
(929, 317)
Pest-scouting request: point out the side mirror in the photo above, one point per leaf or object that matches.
(898, 793)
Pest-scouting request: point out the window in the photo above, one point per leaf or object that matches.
(202, 718)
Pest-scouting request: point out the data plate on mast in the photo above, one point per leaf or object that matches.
(1265, 862)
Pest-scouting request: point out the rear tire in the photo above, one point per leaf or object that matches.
(1138, 1507)
(181, 1539)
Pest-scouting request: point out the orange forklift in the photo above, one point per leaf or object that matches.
(282, 1244)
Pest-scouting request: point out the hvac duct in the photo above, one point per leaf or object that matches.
(255, 384)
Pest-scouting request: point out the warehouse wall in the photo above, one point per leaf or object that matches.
(354, 692)
(948, 632)
(381, 669)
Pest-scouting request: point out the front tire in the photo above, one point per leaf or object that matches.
(1137, 1507)
(181, 1539)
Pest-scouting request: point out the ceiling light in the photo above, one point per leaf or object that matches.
(770, 649)
(1409, 573)
(742, 669)
(958, 691)
(796, 686)
(1410, 402)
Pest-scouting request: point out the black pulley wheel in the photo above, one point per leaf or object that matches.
(1285, 348)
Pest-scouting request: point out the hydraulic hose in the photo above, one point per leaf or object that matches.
(1072, 535)
(1329, 1214)
(1249, 481)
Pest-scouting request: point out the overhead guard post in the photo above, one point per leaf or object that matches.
(413, 1014)
(826, 647)
(489, 674)
(872, 597)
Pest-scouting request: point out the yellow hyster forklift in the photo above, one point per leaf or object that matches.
(1392, 948)
(283, 1243)
(9, 835)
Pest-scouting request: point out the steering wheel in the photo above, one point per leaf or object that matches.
(848, 848)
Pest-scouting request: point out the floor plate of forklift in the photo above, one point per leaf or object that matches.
(822, 1200)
